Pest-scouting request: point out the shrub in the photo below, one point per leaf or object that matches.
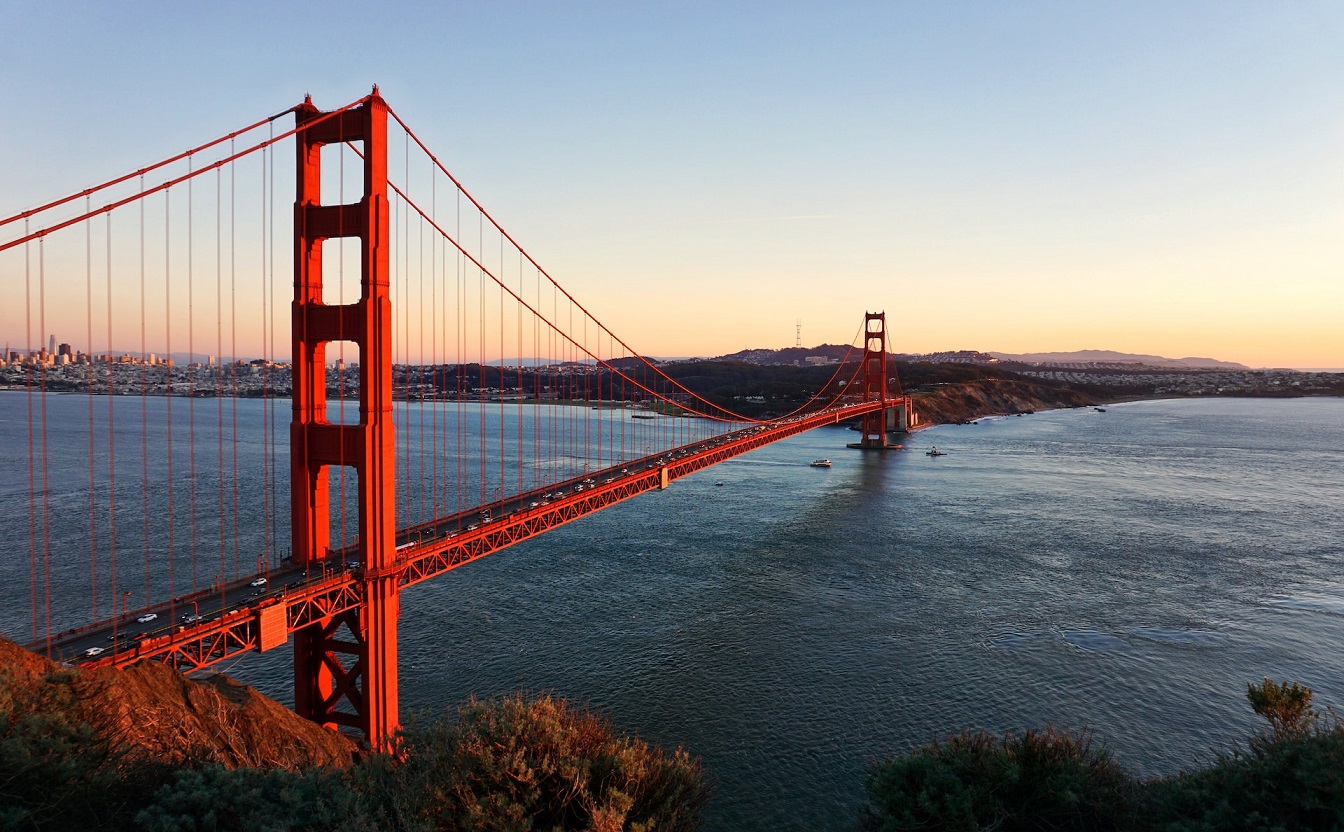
(517, 764)
(1287, 779)
(1051, 780)
(1287, 706)
(214, 799)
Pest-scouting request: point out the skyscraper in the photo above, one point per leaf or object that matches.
(51, 345)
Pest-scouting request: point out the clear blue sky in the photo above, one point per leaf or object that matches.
(1150, 177)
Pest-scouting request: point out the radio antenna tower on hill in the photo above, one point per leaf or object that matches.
(798, 333)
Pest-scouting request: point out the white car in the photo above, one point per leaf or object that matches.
(258, 582)
(147, 617)
(94, 651)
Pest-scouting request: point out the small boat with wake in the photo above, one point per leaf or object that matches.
(820, 463)
(933, 451)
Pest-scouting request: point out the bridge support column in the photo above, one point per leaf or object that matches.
(878, 423)
(345, 667)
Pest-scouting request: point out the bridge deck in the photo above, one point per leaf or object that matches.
(252, 614)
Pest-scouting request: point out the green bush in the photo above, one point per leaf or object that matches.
(1051, 780)
(1290, 778)
(1283, 783)
(540, 764)
(213, 799)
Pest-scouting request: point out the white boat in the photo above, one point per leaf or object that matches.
(820, 463)
(933, 451)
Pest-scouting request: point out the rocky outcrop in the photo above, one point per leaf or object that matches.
(952, 403)
(153, 711)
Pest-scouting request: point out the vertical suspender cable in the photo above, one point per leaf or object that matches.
(191, 372)
(233, 358)
(521, 389)
(265, 354)
(420, 357)
(216, 368)
(272, 460)
(42, 401)
(460, 342)
(144, 397)
(168, 374)
(503, 478)
(88, 345)
(111, 432)
(480, 361)
(434, 347)
(28, 396)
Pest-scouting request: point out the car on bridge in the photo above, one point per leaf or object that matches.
(258, 582)
(147, 617)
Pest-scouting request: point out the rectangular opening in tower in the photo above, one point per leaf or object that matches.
(341, 264)
(343, 524)
(342, 173)
(343, 371)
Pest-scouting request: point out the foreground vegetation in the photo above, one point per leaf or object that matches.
(1290, 777)
(542, 764)
(511, 764)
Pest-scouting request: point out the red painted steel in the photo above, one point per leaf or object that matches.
(334, 595)
(347, 658)
(875, 423)
(342, 606)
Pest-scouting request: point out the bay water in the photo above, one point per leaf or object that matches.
(1128, 571)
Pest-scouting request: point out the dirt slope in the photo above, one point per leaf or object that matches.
(160, 713)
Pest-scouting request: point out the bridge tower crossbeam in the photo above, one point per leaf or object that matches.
(345, 665)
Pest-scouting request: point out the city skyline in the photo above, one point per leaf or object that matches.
(1142, 178)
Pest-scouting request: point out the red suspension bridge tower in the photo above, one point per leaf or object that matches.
(894, 413)
(345, 666)
(342, 606)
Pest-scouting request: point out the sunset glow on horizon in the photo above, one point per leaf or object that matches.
(1146, 178)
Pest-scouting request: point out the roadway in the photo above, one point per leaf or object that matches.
(120, 641)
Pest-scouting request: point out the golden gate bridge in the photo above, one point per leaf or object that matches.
(448, 399)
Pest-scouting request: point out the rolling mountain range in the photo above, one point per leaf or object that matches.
(1113, 357)
(835, 352)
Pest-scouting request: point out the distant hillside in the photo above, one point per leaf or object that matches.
(789, 356)
(1113, 357)
(796, 356)
(1090, 359)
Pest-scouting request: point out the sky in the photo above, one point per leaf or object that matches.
(1149, 177)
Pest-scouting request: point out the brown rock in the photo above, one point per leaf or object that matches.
(991, 397)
